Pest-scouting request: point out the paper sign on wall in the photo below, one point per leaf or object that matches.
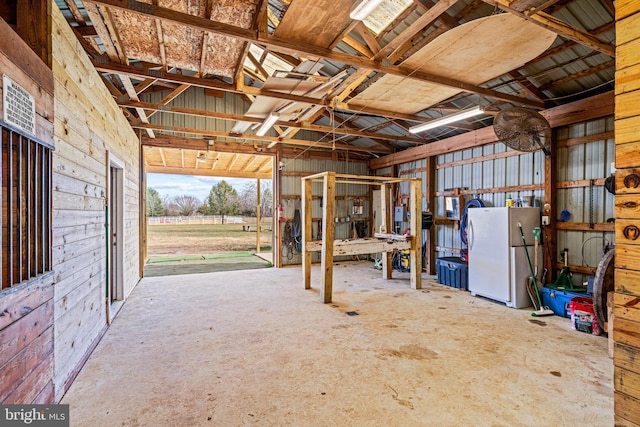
(19, 106)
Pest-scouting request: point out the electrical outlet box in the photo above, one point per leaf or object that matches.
(400, 214)
(545, 220)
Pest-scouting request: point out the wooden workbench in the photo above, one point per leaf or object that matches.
(330, 247)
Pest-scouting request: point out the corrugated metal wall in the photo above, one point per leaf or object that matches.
(198, 100)
(494, 171)
(492, 180)
(346, 195)
(585, 204)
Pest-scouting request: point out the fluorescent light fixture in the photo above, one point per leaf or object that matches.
(364, 9)
(268, 122)
(465, 114)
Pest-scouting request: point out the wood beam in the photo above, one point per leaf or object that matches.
(250, 163)
(266, 163)
(101, 30)
(206, 38)
(174, 142)
(142, 73)
(141, 87)
(215, 161)
(258, 66)
(77, 15)
(233, 161)
(525, 84)
(391, 115)
(586, 72)
(574, 112)
(357, 46)
(550, 197)
(368, 37)
(349, 84)
(122, 55)
(207, 172)
(416, 27)
(561, 28)
(112, 88)
(238, 117)
(260, 18)
(275, 43)
(128, 86)
(164, 161)
(167, 99)
(296, 142)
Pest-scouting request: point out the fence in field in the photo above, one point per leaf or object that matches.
(187, 220)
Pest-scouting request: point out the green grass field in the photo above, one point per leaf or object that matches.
(168, 240)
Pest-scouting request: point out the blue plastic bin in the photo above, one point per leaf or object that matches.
(453, 271)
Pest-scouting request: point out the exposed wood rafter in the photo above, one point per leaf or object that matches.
(249, 35)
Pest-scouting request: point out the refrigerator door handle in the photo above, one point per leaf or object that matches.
(470, 235)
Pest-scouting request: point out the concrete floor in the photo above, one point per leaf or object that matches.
(206, 265)
(255, 348)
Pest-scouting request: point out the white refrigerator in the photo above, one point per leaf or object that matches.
(498, 267)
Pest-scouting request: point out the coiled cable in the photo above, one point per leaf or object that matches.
(473, 203)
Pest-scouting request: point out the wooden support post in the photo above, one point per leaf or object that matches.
(258, 219)
(430, 163)
(277, 195)
(329, 197)
(384, 217)
(626, 329)
(371, 221)
(415, 223)
(142, 244)
(34, 26)
(307, 220)
(550, 232)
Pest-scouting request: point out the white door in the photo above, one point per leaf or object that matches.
(115, 230)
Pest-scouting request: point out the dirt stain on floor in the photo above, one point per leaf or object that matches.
(411, 351)
(538, 322)
(402, 402)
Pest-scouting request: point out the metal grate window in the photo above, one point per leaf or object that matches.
(26, 208)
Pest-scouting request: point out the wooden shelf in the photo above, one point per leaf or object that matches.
(585, 226)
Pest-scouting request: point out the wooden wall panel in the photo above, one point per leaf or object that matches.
(627, 281)
(626, 326)
(34, 26)
(628, 29)
(25, 68)
(87, 124)
(26, 324)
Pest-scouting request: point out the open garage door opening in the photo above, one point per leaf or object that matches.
(207, 211)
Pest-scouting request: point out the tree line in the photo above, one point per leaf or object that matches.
(222, 200)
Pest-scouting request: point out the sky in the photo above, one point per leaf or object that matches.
(188, 185)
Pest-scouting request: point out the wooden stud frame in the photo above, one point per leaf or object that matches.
(330, 247)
